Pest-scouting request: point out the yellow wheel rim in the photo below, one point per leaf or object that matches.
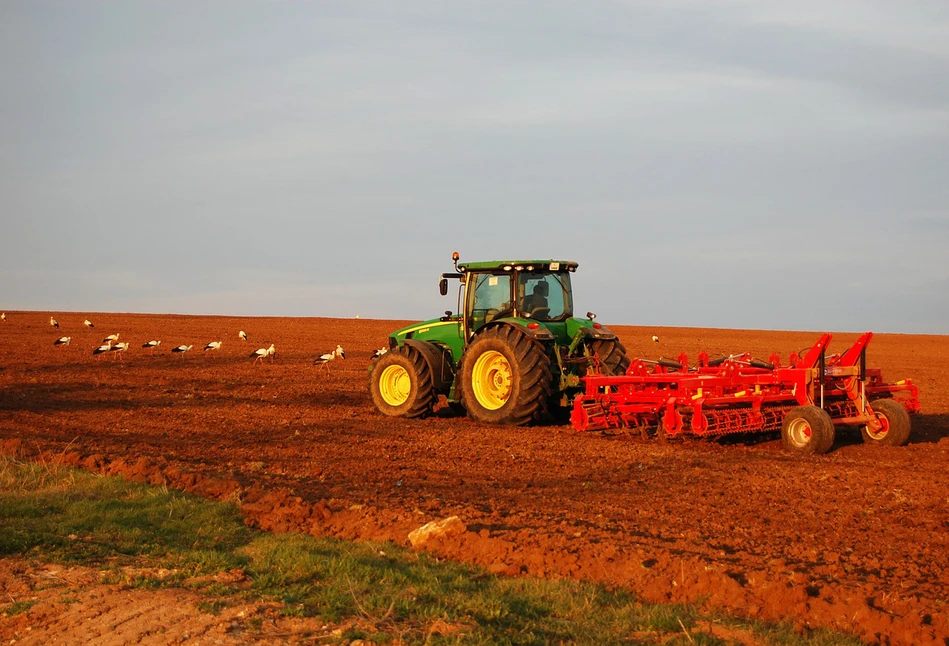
(491, 380)
(395, 385)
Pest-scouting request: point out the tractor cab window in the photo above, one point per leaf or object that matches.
(544, 296)
(491, 298)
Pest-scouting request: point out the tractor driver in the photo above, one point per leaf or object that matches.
(535, 304)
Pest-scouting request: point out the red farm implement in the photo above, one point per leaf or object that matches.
(805, 400)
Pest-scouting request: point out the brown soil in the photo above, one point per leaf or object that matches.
(73, 605)
(856, 539)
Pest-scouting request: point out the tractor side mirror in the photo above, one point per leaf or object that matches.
(443, 286)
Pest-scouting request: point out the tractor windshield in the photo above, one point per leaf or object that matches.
(544, 296)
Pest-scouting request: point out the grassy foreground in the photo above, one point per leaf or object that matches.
(380, 592)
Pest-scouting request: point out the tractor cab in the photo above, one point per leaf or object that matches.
(534, 290)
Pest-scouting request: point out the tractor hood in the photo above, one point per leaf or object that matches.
(425, 328)
(445, 331)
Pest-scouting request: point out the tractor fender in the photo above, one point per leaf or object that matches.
(439, 360)
(539, 334)
(598, 334)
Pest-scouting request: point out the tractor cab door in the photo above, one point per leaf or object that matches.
(489, 297)
(544, 296)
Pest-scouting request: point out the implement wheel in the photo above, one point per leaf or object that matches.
(401, 384)
(612, 355)
(896, 424)
(505, 377)
(808, 429)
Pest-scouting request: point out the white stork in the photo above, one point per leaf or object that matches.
(378, 353)
(182, 348)
(63, 340)
(112, 337)
(655, 339)
(102, 349)
(243, 335)
(213, 345)
(151, 345)
(3, 316)
(53, 322)
(263, 353)
(88, 323)
(119, 347)
(324, 359)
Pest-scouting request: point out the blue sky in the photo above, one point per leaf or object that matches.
(713, 164)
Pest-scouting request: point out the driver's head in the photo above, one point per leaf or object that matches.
(541, 289)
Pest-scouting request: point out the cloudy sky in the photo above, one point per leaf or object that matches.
(708, 163)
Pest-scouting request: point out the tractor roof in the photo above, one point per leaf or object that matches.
(508, 265)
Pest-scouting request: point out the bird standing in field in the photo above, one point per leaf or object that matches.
(182, 348)
(88, 323)
(378, 353)
(213, 345)
(3, 316)
(243, 335)
(102, 349)
(324, 359)
(53, 322)
(262, 353)
(63, 340)
(119, 347)
(151, 345)
(112, 337)
(655, 339)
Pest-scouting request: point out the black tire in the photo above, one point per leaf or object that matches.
(808, 429)
(401, 384)
(896, 424)
(612, 356)
(505, 377)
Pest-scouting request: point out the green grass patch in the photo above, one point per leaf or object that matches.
(17, 607)
(150, 537)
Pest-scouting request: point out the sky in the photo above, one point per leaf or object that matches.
(729, 164)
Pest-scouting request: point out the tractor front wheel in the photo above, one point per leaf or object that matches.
(401, 384)
(896, 424)
(808, 429)
(505, 377)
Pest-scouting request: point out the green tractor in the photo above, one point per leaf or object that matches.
(513, 355)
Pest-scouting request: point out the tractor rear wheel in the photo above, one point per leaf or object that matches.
(401, 384)
(896, 424)
(808, 429)
(505, 377)
(612, 356)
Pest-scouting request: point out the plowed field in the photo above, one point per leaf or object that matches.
(857, 539)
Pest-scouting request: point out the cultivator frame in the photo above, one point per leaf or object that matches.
(806, 400)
